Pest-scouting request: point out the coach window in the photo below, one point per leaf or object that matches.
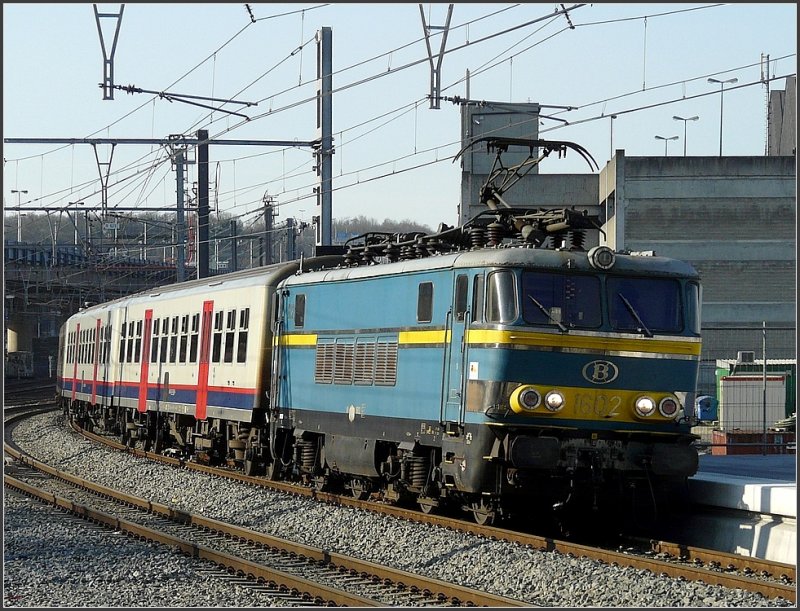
(194, 338)
(184, 338)
(162, 357)
(230, 336)
(173, 340)
(461, 296)
(244, 323)
(122, 340)
(138, 350)
(154, 341)
(425, 302)
(91, 345)
(216, 342)
(299, 310)
(131, 332)
(501, 301)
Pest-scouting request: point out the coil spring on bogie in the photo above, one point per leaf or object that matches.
(305, 454)
(417, 470)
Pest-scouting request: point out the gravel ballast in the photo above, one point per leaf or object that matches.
(32, 562)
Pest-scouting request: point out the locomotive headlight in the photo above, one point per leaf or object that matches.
(645, 406)
(529, 398)
(601, 257)
(525, 399)
(554, 401)
(668, 407)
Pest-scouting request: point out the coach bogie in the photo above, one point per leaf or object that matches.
(208, 440)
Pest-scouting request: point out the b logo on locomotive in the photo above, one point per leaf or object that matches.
(600, 372)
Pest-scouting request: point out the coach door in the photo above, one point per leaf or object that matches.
(454, 379)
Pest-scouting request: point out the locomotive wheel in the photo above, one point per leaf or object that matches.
(360, 488)
(426, 506)
(250, 464)
(274, 470)
(482, 512)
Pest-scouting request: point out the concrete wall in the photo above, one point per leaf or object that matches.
(782, 119)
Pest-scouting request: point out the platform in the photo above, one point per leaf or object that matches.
(765, 486)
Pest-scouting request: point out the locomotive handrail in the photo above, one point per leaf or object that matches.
(463, 382)
(445, 371)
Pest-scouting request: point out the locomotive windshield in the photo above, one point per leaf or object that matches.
(641, 305)
(564, 301)
(645, 305)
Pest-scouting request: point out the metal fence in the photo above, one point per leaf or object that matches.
(751, 372)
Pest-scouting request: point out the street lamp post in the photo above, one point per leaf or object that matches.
(721, 91)
(666, 141)
(611, 154)
(695, 118)
(19, 193)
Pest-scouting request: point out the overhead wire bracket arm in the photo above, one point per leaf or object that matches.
(179, 97)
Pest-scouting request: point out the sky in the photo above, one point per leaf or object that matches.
(643, 62)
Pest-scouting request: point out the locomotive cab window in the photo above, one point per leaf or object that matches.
(557, 299)
(644, 305)
(501, 297)
(462, 284)
(477, 298)
(693, 301)
(425, 302)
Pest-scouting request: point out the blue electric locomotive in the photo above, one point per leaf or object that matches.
(480, 376)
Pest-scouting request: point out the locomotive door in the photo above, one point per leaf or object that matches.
(455, 353)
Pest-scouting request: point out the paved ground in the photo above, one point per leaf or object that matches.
(771, 466)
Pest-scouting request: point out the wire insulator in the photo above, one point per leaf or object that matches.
(578, 239)
(477, 237)
(494, 234)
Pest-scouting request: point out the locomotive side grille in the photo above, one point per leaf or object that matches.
(364, 363)
(323, 369)
(386, 363)
(343, 364)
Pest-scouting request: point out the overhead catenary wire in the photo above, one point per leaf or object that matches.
(585, 105)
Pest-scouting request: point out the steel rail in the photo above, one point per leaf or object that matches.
(696, 563)
(260, 573)
(442, 590)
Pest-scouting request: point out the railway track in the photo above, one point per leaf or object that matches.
(312, 576)
(661, 558)
(771, 579)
